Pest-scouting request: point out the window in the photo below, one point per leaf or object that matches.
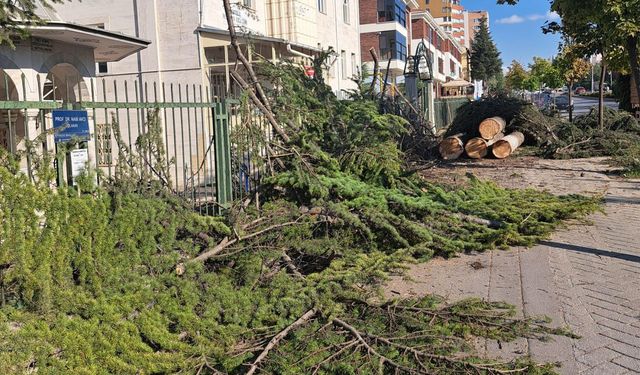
(354, 65)
(391, 10)
(322, 6)
(440, 65)
(346, 14)
(248, 3)
(102, 67)
(343, 63)
(393, 46)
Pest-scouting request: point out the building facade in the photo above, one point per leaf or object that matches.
(190, 43)
(54, 68)
(472, 20)
(445, 53)
(385, 27)
(450, 16)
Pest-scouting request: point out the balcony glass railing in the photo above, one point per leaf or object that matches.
(395, 52)
(393, 13)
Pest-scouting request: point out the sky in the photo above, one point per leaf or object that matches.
(516, 29)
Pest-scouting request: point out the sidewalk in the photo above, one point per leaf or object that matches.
(586, 277)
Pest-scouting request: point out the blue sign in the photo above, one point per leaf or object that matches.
(70, 125)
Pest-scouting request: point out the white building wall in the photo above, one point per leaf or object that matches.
(172, 56)
(334, 32)
(247, 20)
(302, 23)
(171, 27)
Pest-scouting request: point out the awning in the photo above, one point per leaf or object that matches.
(457, 83)
(219, 37)
(108, 46)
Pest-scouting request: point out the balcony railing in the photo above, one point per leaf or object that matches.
(397, 52)
(393, 13)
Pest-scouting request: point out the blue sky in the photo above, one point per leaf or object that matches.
(517, 29)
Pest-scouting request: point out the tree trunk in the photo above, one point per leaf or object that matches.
(570, 101)
(491, 127)
(478, 148)
(603, 71)
(452, 147)
(376, 71)
(507, 145)
(632, 47)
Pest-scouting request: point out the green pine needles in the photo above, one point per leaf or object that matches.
(122, 282)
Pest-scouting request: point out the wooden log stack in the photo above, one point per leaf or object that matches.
(452, 147)
(492, 138)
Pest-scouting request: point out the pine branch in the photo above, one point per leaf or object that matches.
(226, 242)
(370, 349)
(277, 338)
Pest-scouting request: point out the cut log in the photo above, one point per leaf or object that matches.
(491, 127)
(507, 145)
(478, 148)
(452, 147)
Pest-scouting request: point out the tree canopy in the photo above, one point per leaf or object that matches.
(610, 27)
(15, 14)
(517, 78)
(546, 73)
(485, 57)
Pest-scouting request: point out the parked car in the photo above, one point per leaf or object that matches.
(561, 103)
(580, 90)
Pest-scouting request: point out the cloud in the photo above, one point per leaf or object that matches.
(553, 16)
(511, 20)
(515, 19)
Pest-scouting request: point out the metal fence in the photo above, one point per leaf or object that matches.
(195, 129)
(445, 111)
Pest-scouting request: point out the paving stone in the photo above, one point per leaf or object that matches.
(598, 356)
(584, 277)
(607, 368)
(629, 363)
(619, 336)
(625, 349)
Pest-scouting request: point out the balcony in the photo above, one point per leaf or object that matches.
(397, 52)
(393, 11)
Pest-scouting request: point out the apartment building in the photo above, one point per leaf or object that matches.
(450, 16)
(472, 20)
(445, 53)
(385, 27)
(190, 43)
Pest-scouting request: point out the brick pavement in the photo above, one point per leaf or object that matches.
(586, 277)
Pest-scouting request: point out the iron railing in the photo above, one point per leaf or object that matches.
(195, 129)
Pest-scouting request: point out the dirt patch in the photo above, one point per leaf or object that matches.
(575, 176)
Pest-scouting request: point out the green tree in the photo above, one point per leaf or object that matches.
(573, 68)
(605, 26)
(16, 14)
(517, 78)
(545, 73)
(485, 57)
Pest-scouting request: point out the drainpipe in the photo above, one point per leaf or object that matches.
(297, 53)
(338, 50)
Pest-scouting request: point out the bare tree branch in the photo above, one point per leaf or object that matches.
(277, 338)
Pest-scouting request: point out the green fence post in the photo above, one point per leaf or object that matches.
(223, 155)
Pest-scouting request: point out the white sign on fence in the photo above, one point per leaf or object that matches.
(79, 160)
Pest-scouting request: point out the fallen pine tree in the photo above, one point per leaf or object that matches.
(129, 280)
(553, 137)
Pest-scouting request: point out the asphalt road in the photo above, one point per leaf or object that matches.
(582, 105)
